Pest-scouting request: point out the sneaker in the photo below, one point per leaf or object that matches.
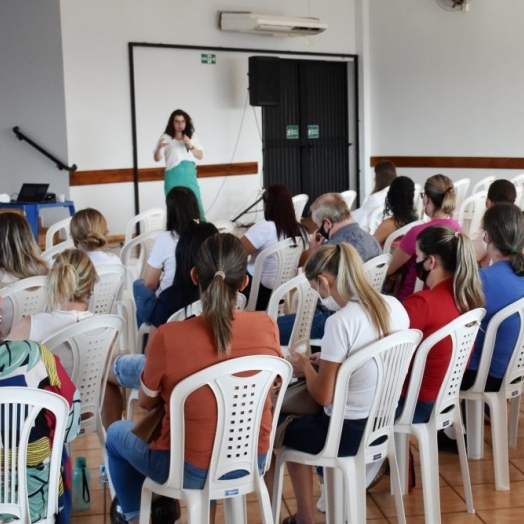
(321, 502)
(115, 513)
(164, 510)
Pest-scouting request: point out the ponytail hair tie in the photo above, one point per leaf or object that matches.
(513, 251)
(220, 274)
(457, 234)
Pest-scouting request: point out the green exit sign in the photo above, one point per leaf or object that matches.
(292, 132)
(208, 58)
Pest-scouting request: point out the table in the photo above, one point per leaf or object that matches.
(32, 211)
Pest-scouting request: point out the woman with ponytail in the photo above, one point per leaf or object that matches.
(439, 204)
(361, 316)
(445, 261)
(503, 283)
(178, 350)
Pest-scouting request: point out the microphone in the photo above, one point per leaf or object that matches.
(183, 135)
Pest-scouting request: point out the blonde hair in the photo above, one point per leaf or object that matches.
(89, 229)
(72, 278)
(221, 266)
(457, 256)
(441, 191)
(344, 263)
(19, 253)
(331, 206)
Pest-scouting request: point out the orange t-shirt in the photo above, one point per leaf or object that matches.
(180, 349)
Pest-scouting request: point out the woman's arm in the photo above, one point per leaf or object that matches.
(152, 277)
(385, 228)
(197, 153)
(159, 149)
(400, 257)
(248, 246)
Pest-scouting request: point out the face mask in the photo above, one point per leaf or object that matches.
(323, 232)
(330, 303)
(421, 272)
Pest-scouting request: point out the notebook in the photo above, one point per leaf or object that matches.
(32, 193)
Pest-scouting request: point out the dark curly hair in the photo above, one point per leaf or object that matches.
(170, 128)
(399, 201)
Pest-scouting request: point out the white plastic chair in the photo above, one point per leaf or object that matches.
(195, 309)
(61, 226)
(471, 213)
(108, 287)
(149, 220)
(288, 254)
(306, 299)
(299, 203)
(461, 190)
(236, 438)
(349, 196)
(224, 226)
(391, 356)
(49, 254)
(91, 343)
(399, 233)
(20, 407)
(446, 412)
(518, 182)
(483, 185)
(143, 243)
(418, 204)
(375, 219)
(511, 389)
(376, 269)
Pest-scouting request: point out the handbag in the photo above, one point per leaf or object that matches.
(148, 428)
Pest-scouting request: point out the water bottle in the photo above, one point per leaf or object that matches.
(81, 478)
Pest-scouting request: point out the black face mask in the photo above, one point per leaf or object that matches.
(323, 232)
(421, 272)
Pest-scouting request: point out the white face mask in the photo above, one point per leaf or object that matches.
(330, 303)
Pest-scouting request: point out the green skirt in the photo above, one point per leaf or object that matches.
(184, 174)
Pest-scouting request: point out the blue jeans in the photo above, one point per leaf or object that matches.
(128, 370)
(145, 300)
(285, 325)
(130, 461)
(423, 410)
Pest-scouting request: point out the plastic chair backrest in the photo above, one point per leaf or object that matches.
(375, 219)
(461, 190)
(19, 408)
(111, 278)
(288, 256)
(299, 203)
(143, 243)
(418, 204)
(61, 225)
(195, 309)
(483, 185)
(462, 331)
(240, 405)
(399, 233)
(48, 254)
(349, 196)
(471, 213)
(392, 356)
(149, 220)
(376, 269)
(27, 296)
(519, 199)
(224, 226)
(91, 342)
(307, 299)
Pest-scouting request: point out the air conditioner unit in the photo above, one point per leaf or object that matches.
(270, 25)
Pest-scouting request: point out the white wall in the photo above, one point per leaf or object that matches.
(95, 36)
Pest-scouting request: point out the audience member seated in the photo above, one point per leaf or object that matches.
(45, 372)
(385, 173)
(88, 231)
(69, 286)
(337, 272)
(19, 258)
(279, 223)
(159, 271)
(499, 191)
(335, 225)
(126, 370)
(220, 333)
(399, 209)
(439, 201)
(503, 284)
(445, 262)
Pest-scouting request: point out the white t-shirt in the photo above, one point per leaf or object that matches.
(263, 234)
(348, 330)
(176, 150)
(362, 215)
(163, 257)
(103, 258)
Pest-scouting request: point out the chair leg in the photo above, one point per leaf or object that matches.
(235, 510)
(514, 421)
(334, 492)
(354, 491)
(278, 482)
(264, 503)
(394, 474)
(499, 437)
(402, 453)
(428, 448)
(475, 428)
(145, 505)
(466, 481)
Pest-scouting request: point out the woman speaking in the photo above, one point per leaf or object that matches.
(180, 147)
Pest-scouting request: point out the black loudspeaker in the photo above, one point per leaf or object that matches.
(264, 81)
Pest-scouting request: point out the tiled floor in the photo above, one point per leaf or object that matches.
(492, 507)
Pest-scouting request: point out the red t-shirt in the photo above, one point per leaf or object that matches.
(180, 349)
(429, 311)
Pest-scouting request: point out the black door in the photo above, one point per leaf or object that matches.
(306, 136)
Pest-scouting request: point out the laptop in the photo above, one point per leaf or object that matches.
(32, 193)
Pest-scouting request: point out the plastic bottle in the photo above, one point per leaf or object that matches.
(81, 478)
